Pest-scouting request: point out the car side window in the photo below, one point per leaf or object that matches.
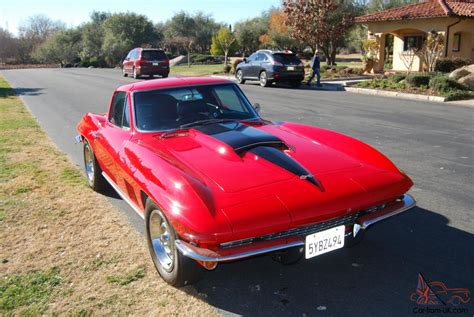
(261, 57)
(252, 57)
(126, 114)
(116, 110)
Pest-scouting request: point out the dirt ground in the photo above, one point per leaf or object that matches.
(63, 248)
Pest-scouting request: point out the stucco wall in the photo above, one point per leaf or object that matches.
(400, 29)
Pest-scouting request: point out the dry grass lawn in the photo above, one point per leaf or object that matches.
(65, 250)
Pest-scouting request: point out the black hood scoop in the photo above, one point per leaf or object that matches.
(243, 138)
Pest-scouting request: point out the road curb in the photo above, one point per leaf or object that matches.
(395, 94)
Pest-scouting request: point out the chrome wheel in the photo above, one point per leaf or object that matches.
(162, 240)
(89, 164)
(263, 79)
(239, 77)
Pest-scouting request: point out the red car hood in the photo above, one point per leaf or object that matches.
(232, 172)
(255, 187)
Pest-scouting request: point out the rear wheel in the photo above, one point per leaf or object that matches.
(124, 73)
(264, 82)
(240, 77)
(164, 75)
(174, 268)
(295, 84)
(93, 171)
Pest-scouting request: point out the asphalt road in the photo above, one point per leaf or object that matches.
(433, 143)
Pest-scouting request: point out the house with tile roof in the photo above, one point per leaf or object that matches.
(402, 30)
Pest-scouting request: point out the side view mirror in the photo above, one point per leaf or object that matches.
(245, 60)
(257, 107)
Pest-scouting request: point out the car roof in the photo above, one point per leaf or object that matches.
(172, 82)
(276, 51)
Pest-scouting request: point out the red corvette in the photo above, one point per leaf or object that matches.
(215, 182)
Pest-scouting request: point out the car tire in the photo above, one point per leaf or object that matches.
(295, 84)
(288, 256)
(94, 176)
(240, 77)
(164, 75)
(263, 78)
(176, 269)
(135, 75)
(124, 73)
(351, 241)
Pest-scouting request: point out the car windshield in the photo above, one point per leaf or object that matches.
(286, 58)
(165, 109)
(153, 55)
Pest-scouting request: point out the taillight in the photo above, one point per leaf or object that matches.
(166, 62)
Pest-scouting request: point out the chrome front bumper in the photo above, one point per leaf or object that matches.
(363, 222)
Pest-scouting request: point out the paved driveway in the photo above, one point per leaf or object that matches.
(432, 142)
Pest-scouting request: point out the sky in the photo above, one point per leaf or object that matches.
(15, 12)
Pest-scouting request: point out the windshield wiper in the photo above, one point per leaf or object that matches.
(207, 121)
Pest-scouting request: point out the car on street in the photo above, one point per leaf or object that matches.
(269, 66)
(215, 182)
(146, 61)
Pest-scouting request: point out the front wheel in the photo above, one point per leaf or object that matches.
(240, 77)
(264, 82)
(176, 269)
(93, 171)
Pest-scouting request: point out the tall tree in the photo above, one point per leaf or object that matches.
(62, 48)
(7, 45)
(249, 31)
(223, 43)
(123, 31)
(319, 23)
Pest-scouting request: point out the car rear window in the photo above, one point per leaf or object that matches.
(153, 55)
(286, 58)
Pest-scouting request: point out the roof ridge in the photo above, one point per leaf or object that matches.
(445, 7)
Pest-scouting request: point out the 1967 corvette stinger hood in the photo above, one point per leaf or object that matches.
(274, 177)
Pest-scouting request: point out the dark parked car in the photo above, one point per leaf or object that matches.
(146, 61)
(269, 66)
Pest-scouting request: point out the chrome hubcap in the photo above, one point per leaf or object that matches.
(162, 241)
(88, 160)
(263, 78)
(239, 75)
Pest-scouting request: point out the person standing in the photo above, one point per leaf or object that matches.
(315, 65)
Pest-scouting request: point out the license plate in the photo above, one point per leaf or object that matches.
(290, 68)
(156, 64)
(324, 241)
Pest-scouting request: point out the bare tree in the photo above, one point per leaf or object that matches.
(431, 50)
(408, 58)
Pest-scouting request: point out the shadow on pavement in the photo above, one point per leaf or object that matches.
(5, 92)
(375, 278)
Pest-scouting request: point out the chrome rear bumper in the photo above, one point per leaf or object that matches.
(206, 255)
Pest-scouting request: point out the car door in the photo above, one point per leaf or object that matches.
(127, 63)
(249, 71)
(110, 139)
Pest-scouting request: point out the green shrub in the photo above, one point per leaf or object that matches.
(418, 80)
(457, 94)
(447, 65)
(85, 63)
(169, 55)
(197, 58)
(397, 78)
(442, 84)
